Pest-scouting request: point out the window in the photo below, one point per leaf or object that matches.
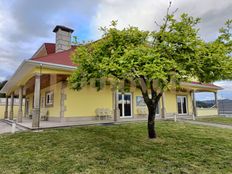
(49, 98)
(182, 105)
(141, 103)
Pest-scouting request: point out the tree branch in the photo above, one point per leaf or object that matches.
(166, 17)
(153, 92)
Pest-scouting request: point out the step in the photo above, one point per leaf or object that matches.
(10, 122)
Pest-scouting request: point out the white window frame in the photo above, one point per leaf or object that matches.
(49, 94)
(123, 114)
(186, 99)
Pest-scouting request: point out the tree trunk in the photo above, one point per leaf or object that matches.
(151, 122)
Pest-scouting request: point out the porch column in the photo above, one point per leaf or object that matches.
(194, 103)
(6, 108)
(63, 97)
(20, 111)
(216, 102)
(115, 106)
(25, 108)
(36, 109)
(163, 109)
(11, 106)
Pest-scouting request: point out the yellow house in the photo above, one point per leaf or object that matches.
(42, 82)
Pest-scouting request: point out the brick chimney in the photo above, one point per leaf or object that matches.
(63, 38)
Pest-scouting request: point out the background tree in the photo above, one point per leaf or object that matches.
(1, 86)
(154, 61)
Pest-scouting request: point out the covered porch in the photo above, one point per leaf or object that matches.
(30, 79)
(198, 88)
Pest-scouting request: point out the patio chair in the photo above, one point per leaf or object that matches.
(30, 114)
(109, 113)
(98, 113)
(44, 114)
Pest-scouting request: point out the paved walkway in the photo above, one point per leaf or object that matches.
(209, 124)
(6, 128)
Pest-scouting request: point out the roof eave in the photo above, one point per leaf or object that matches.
(202, 86)
(31, 63)
(51, 65)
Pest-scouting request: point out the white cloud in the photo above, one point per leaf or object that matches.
(226, 85)
(143, 13)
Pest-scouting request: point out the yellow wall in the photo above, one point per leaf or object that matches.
(86, 101)
(207, 112)
(53, 111)
(170, 101)
(2, 111)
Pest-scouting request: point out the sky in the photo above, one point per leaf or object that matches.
(26, 24)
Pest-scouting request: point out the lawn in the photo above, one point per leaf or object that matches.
(180, 148)
(218, 119)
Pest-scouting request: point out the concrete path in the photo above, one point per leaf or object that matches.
(209, 124)
(6, 128)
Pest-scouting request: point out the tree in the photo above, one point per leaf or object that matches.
(154, 61)
(1, 86)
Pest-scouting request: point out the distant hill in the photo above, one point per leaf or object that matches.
(205, 104)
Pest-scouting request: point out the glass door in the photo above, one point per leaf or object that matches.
(125, 104)
(182, 105)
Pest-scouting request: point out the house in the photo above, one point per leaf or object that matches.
(42, 82)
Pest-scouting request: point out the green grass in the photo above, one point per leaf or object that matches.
(218, 119)
(180, 148)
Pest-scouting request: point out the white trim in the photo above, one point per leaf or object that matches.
(131, 103)
(186, 101)
(51, 65)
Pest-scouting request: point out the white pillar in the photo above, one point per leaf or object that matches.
(194, 104)
(20, 111)
(163, 109)
(6, 108)
(11, 106)
(36, 109)
(216, 102)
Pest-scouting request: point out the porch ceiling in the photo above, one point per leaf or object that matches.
(46, 80)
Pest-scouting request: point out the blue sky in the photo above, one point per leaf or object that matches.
(26, 24)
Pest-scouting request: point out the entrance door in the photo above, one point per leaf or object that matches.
(182, 105)
(124, 104)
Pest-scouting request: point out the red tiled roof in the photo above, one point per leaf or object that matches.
(50, 48)
(61, 58)
(205, 84)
